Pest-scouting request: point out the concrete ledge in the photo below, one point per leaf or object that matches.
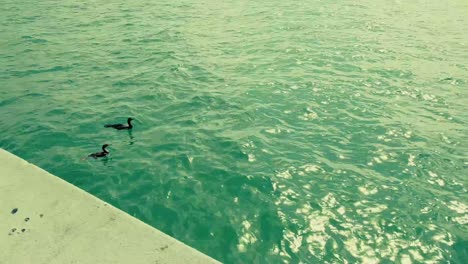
(56, 222)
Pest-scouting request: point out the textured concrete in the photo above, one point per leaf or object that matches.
(56, 222)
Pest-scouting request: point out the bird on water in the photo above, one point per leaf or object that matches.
(122, 126)
(100, 154)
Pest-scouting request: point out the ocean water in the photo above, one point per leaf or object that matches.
(267, 131)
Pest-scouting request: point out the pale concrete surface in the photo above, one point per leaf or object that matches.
(57, 222)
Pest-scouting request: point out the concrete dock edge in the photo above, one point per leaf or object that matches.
(44, 219)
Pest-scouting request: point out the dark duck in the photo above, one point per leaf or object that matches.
(122, 126)
(101, 154)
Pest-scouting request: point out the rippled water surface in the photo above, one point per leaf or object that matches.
(267, 131)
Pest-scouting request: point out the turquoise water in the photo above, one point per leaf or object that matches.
(267, 131)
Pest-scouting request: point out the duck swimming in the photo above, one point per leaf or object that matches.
(101, 154)
(122, 126)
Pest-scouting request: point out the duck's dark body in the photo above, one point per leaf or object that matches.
(100, 154)
(122, 126)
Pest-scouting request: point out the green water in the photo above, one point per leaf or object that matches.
(267, 131)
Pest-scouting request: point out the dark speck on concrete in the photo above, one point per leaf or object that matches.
(13, 230)
(26, 219)
(41, 215)
(164, 248)
(22, 230)
(14, 211)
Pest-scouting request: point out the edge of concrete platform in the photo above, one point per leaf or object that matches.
(44, 219)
